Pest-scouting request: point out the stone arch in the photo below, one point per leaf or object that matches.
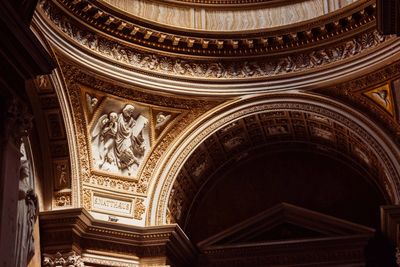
(50, 101)
(372, 137)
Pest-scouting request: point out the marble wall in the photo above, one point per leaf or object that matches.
(227, 20)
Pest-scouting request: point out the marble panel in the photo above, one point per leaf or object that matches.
(212, 19)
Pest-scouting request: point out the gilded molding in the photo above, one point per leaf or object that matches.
(191, 67)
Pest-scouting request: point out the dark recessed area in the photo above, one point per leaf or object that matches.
(305, 179)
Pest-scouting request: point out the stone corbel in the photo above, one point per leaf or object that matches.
(62, 260)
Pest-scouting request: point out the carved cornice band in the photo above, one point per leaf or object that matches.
(290, 71)
(251, 43)
(76, 230)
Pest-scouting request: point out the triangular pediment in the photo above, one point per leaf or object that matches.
(286, 222)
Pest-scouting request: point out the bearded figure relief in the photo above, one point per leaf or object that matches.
(120, 140)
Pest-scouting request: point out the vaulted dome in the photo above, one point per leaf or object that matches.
(199, 133)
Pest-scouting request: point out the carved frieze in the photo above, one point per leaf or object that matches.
(63, 260)
(176, 40)
(153, 63)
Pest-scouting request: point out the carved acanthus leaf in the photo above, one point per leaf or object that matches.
(63, 260)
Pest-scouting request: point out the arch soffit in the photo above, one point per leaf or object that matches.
(372, 137)
(50, 100)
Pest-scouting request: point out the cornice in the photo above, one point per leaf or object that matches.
(338, 25)
(174, 73)
(76, 228)
(336, 252)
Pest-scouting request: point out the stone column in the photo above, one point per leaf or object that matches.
(15, 123)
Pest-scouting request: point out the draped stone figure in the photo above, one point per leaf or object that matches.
(118, 140)
(124, 138)
(27, 214)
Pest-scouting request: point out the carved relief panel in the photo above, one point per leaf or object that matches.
(120, 137)
(121, 134)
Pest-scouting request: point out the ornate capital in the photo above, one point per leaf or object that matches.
(67, 259)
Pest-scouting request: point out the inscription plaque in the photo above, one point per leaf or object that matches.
(112, 205)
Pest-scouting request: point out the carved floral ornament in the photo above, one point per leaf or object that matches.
(157, 64)
(373, 138)
(63, 260)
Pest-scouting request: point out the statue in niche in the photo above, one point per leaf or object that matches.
(119, 142)
(62, 172)
(27, 214)
(43, 82)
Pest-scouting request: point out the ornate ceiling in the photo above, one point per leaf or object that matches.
(226, 15)
(153, 112)
(313, 53)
